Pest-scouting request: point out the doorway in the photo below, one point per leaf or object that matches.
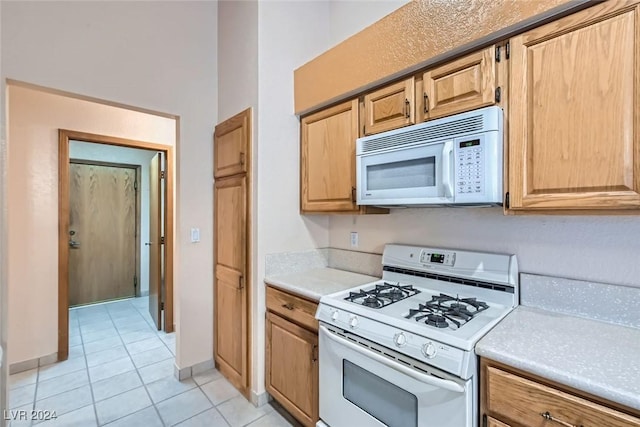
(103, 229)
(159, 242)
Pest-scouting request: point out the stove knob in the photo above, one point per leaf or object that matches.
(400, 339)
(429, 350)
(353, 322)
(334, 316)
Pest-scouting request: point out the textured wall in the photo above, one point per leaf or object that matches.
(593, 248)
(33, 203)
(410, 36)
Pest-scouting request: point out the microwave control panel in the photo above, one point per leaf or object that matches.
(438, 258)
(469, 167)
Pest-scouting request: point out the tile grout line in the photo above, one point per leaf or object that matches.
(86, 362)
(139, 376)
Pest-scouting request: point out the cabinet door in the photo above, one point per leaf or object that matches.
(292, 368)
(327, 164)
(230, 145)
(522, 401)
(462, 85)
(230, 293)
(574, 135)
(390, 107)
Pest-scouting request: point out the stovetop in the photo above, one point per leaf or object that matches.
(381, 294)
(452, 296)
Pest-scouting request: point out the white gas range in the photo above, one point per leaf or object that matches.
(400, 351)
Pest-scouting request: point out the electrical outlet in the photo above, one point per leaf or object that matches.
(195, 235)
(354, 239)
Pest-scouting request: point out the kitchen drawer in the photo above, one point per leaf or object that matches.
(523, 402)
(299, 310)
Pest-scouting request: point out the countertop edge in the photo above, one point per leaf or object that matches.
(549, 373)
(305, 293)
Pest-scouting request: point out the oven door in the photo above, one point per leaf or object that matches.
(364, 388)
(417, 175)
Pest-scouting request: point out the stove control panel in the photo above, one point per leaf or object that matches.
(428, 350)
(438, 258)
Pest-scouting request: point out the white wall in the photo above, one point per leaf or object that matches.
(260, 44)
(129, 156)
(597, 248)
(155, 55)
(290, 34)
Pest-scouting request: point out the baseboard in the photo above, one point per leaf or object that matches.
(260, 399)
(189, 371)
(26, 365)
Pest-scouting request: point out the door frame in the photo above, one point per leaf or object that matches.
(138, 213)
(64, 136)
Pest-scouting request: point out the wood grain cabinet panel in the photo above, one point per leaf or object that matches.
(514, 399)
(298, 309)
(461, 85)
(292, 357)
(327, 168)
(492, 422)
(230, 148)
(390, 107)
(574, 120)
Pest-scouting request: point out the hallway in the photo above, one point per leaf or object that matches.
(120, 372)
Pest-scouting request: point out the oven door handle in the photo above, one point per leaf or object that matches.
(427, 379)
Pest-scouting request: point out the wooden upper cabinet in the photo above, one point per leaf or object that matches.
(390, 107)
(230, 146)
(461, 85)
(327, 167)
(574, 121)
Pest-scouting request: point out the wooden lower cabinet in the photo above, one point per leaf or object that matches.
(512, 398)
(291, 360)
(492, 422)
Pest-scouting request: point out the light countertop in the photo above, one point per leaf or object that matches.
(317, 282)
(600, 358)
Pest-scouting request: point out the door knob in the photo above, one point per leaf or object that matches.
(73, 244)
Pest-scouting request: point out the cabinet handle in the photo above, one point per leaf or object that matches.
(549, 417)
(314, 353)
(288, 306)
(242, 158)
(407, 108)
(240, 282)
(353, 194)
(426, 103)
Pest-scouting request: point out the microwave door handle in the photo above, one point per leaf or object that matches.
(426, 379)
(447, 165)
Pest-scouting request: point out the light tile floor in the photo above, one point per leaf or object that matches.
(120, 372)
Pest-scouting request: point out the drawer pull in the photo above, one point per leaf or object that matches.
(548, 416)
(288, 306)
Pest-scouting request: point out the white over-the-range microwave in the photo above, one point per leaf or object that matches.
(455, 160)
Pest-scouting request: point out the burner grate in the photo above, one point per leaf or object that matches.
(444, 311)
(382, 295)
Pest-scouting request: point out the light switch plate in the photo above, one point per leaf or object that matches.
(195, 235)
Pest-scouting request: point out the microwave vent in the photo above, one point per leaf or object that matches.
(434, 132)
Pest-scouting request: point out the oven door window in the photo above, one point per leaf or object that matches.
(378, 397)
